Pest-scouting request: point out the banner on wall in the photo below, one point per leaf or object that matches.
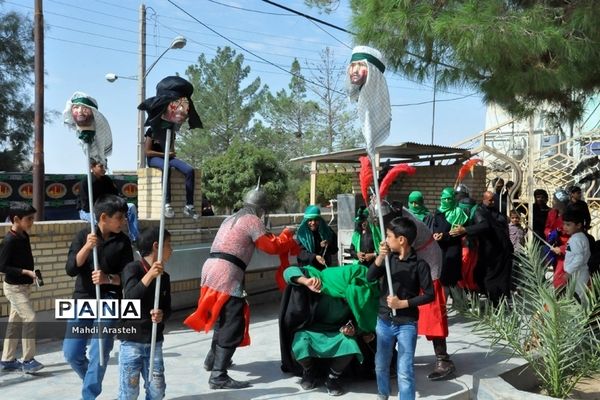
(61, 192)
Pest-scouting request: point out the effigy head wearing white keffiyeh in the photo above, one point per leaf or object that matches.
(372, 96)
(94, 130)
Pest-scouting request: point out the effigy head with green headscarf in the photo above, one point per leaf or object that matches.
(454, 215)
(416, 205)
(304, 234)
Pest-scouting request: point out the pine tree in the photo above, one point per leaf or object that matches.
(226, 108)
(16, 69)
(520, 54)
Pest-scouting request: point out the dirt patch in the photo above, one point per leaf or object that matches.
(588, 388)
(523, 378)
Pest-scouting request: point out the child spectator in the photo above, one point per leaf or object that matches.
(557, 237)
(139, 282)
(102, 185)
(114, 252)
(578, 251)
(16, 262)
(412, 287)
(516, 231)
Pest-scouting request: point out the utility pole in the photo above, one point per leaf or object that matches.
(38, 119)
(141, 159)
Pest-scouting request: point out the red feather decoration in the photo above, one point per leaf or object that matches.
(365, 176)
(392, 175)
(467, 168)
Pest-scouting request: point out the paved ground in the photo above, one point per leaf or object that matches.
(184, 352)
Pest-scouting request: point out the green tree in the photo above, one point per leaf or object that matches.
(328, 187)
(336, 124)
(227, 177)
(16, 69)
(521, 54)
(291, 117)
(226, 108)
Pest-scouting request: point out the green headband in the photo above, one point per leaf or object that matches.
(312, 212)
(373, 60)
(85, 101)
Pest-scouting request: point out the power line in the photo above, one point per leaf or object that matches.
(432, 101)
(260, 59)
(250, 10)
(333, 37)
(309, 17)
(201, 43)
(70, 5)
(351, 33)
(250, 52)
(120, 39)
(120, 5)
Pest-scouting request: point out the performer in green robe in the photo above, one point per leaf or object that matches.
(416, 205)
(324, 314)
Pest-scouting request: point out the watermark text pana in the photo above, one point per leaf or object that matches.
(94, 309)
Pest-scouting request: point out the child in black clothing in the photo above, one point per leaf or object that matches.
(139, 283)
(411, 287)
(16, 262)
(114, 252)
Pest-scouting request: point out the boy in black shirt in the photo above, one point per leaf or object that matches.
(411, 287)
(16, 262)
(102, 185)
(114, 252)
(139, 282)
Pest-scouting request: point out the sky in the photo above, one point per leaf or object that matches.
(85, 40)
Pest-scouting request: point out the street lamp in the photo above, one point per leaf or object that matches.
(177, 43)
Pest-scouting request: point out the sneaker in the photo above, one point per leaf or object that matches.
(32, 366)
(190, 211)
(13, 365)
(169, 212)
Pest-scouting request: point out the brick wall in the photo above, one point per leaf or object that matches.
(150, 193)
(430, 180)
(50, 241)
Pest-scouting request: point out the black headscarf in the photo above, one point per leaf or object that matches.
(169, 89)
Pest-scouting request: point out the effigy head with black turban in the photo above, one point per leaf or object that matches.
(173, 103)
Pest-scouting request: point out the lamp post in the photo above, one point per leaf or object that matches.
(177, 43)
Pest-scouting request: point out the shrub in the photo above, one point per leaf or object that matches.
(556, 334)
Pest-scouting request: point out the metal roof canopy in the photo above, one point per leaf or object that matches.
(403, 152)
(407, 152)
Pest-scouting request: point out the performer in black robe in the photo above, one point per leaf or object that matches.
(494, 266)
(365, 238)
(445, 218)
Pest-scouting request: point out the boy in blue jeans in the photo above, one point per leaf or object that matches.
(412, 287)
(114, 252)
(139, 282)
(16, 262)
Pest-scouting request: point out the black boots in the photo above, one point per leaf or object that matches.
(218, 377)
(332, 383)
(209, 361)
(444, 367)
(309, 379)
